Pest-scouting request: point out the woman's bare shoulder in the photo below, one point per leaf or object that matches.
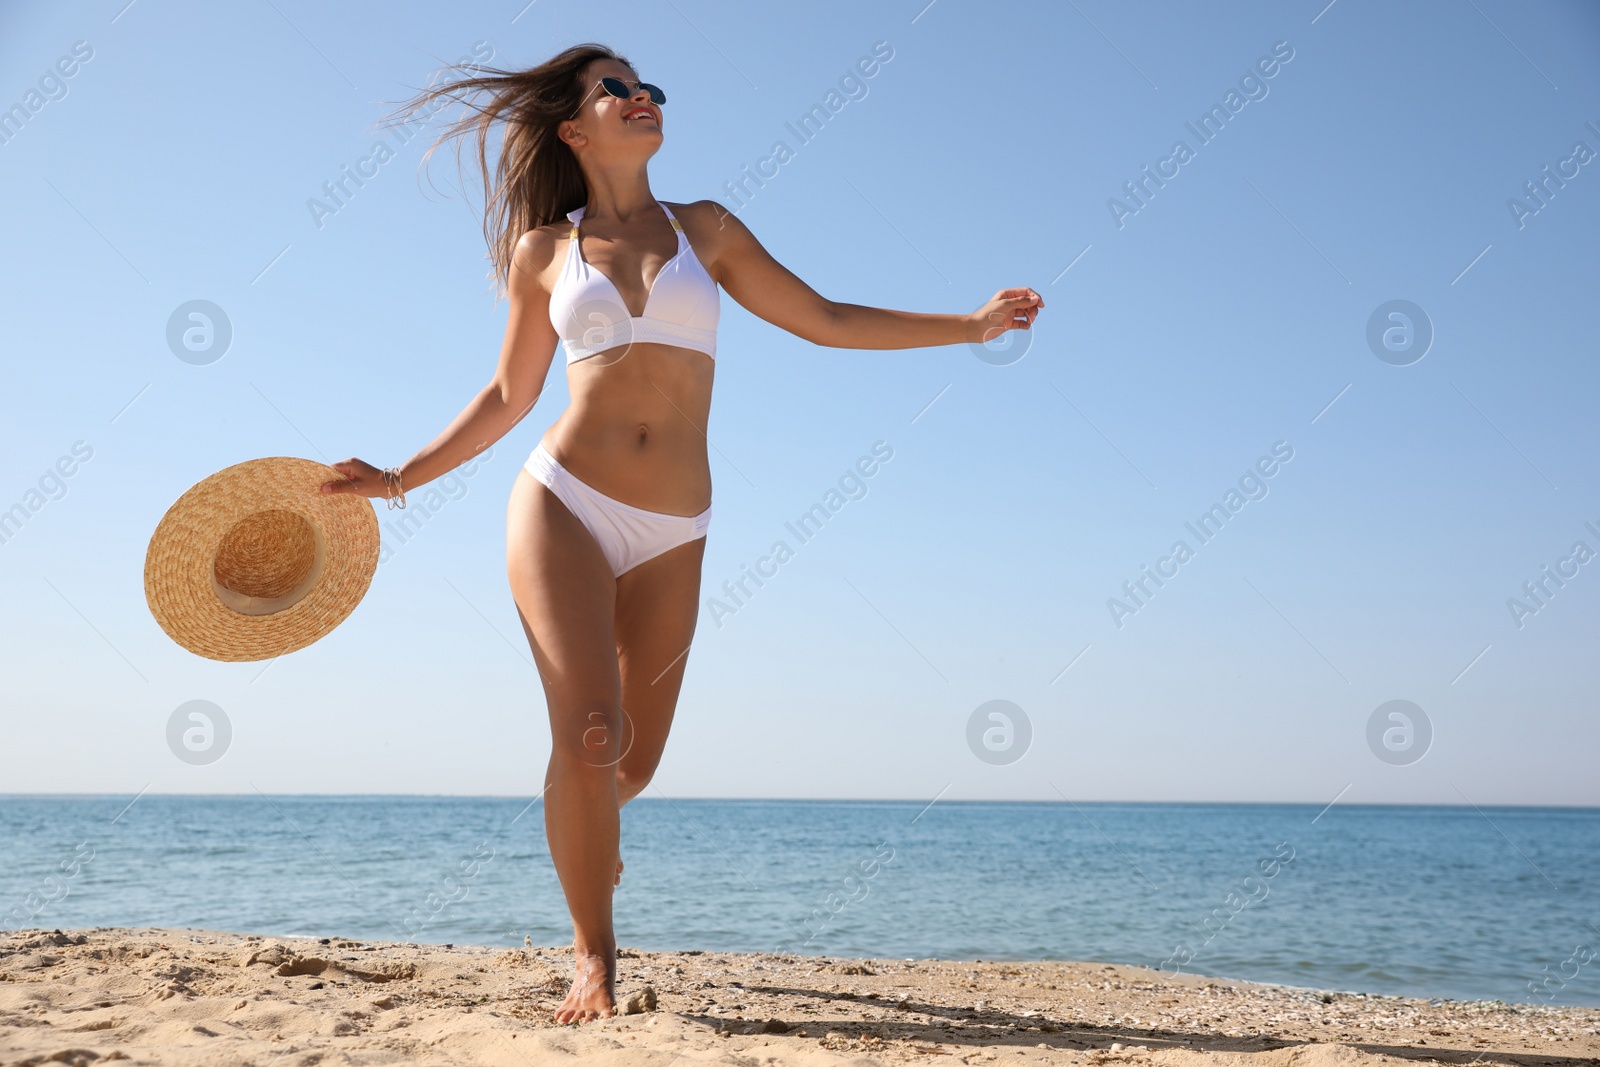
(535, 251)
(709, 224)
(541, 241)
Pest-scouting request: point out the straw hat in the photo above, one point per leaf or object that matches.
(256, 560)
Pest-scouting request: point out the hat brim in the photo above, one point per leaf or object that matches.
(210, 619)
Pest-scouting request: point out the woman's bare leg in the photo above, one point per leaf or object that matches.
(566, 597)
(657, 607)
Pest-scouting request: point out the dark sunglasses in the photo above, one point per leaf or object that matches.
(619, 88)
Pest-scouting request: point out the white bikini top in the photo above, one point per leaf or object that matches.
(681, 307)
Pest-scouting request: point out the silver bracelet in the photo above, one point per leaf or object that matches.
(394, 493)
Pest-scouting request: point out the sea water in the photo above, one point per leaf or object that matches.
(1441, 902)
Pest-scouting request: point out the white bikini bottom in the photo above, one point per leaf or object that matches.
(628, 536)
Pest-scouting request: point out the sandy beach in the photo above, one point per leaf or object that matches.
(202, 997)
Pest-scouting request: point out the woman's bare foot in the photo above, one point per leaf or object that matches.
(593, 992)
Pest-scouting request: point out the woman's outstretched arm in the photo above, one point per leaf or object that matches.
(525, 357)
(769, 290)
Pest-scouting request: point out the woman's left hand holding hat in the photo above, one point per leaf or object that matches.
(360, 477)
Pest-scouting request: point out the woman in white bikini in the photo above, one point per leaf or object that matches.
(607, 520)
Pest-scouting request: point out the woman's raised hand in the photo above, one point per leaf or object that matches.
(1010, 309)
(360, 478)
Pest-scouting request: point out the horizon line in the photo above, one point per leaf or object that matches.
(515, 797)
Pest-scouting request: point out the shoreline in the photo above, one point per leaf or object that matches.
(178, 996)
(1155, 972)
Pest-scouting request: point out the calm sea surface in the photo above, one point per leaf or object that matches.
(1435, 902)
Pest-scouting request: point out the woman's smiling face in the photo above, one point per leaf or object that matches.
(610, 123)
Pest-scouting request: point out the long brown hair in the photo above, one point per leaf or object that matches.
(537, 178)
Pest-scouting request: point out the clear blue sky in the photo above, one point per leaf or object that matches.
(1187, 339)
